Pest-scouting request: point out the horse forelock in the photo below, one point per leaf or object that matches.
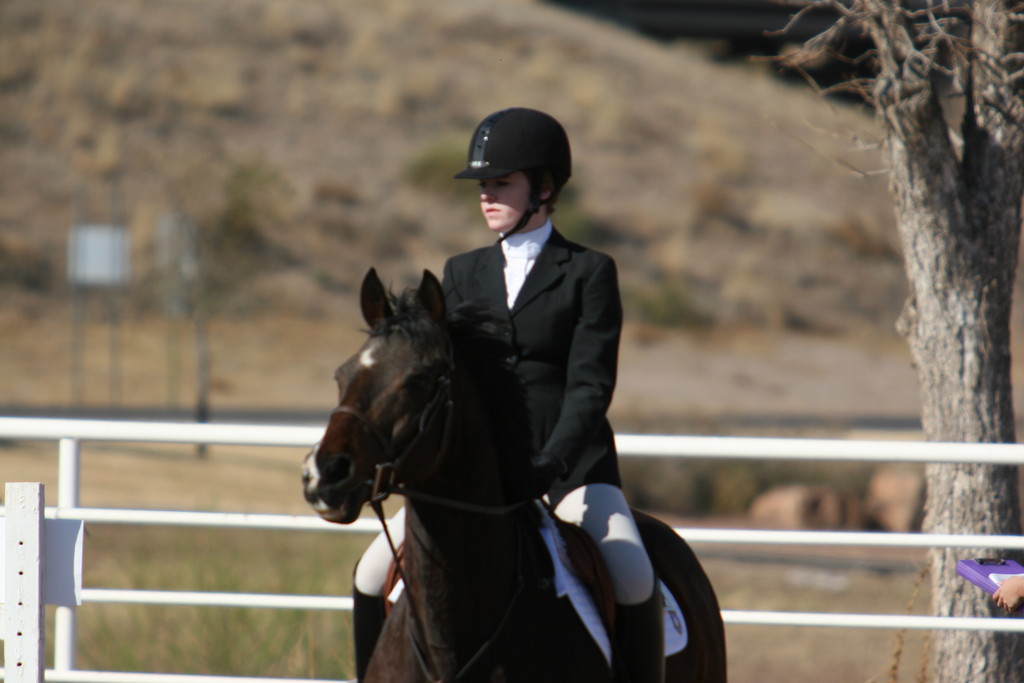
(411, 321)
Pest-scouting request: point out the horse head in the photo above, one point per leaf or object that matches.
(393, 400)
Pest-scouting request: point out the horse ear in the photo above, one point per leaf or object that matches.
(431, 295)
(373, 299)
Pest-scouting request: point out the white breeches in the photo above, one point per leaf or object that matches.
(600, 509)
(372, 570)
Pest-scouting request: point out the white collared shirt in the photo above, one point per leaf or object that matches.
(521, 251)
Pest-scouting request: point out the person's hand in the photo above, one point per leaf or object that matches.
(545, 471)
(1010, 594)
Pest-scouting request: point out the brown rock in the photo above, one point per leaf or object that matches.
(799, 506)
(895, 499)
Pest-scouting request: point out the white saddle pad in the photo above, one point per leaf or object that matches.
(567, 584)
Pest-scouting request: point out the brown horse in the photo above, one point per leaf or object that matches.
(429, 408)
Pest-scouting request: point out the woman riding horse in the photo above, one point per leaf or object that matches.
(561, 303)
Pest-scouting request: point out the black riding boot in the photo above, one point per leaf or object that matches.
(639, 632)
(367, 623)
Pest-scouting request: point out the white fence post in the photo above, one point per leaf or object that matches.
(65, 628)
(23, 583)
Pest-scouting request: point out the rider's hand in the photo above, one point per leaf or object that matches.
(545, 471)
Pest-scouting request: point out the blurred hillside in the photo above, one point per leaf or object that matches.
(308, 141)
(720, 179)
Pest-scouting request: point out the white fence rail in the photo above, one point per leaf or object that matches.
(71, 433)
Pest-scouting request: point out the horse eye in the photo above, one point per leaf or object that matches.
(416, 383)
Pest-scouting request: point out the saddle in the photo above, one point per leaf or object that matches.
(582, 558)
(586, 562)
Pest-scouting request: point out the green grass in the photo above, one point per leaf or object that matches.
(212, 640)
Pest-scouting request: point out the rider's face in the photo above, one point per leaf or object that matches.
(504, 200)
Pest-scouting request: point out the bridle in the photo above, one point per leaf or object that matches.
(385, 482)
(438, 410)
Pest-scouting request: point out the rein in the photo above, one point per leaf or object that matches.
(384, 478)
(384, 485)
(520, 585)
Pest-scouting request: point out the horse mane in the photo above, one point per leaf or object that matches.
(479, 341)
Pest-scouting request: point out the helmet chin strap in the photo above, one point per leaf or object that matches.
(532, 208)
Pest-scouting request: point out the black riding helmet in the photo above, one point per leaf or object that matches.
(519, 139)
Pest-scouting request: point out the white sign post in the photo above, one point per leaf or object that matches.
(41, 562)
(98, 258)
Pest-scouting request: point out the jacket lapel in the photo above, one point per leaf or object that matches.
(490, 279)
(546, 272)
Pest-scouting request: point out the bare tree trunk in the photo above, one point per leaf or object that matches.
(959, 218)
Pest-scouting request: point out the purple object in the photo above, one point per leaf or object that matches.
(988, 572)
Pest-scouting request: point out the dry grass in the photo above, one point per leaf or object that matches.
(809, 654)
(668, 381)
(266, 480)
(673, 152)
